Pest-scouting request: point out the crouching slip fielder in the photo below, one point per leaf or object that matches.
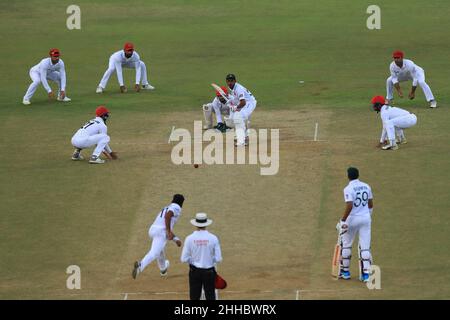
(220, 107)
(48, 69)
(126, 58)
(357, 219)
(160, 231)
(94, 133)
(240, 113)
(394, 121)
(404, 70)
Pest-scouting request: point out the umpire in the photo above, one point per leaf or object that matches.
(202, 251)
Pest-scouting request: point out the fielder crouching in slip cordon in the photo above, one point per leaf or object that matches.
(394, 121)
(94, 133)
(357, 219)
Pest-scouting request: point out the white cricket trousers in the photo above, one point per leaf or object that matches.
(240, 120)
(159, 240)
(399, 123)
(112, 68)
(36, 78)
(82, 141)
(420, 79)
(357, 225)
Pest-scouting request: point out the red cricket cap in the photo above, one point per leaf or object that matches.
(224, 90)
(378, 99)
(128, 46)
(397, 54)
(100, 111)
(54, 52)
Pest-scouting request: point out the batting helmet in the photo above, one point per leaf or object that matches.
(224, 89)
(378, 102)
(101, 111)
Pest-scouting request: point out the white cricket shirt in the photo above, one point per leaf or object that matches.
(160, 220)
(359, 193)
(201, 249)
(46, 66)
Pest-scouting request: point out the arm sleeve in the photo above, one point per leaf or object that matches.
(43, 74)
(108, 148)
(393, 75)
(348, 197)
(185, 254)
(62, 72)
(383, 134)
(118, 66)
(384, 118)
(137, 65)
(217, 252)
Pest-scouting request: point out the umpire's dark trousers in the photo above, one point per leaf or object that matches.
(199, 278)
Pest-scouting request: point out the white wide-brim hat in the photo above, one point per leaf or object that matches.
(201, 220)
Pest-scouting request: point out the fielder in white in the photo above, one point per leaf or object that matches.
(221, 109)
(404, 70)
(356, 220)
(48, 69)
(394, 121)
(126, 58)
(240, 114)
(94, 133)
(161, 231)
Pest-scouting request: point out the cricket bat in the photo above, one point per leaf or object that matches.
(219, 89)
(336, 262)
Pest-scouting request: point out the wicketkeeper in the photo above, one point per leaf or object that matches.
(394, 121)
(221, 109)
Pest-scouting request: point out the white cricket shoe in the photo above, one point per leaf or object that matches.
(26, 102)
(433, 104)
(99, 90)
(390, 147)
(96, 160)
(148, 86)
(66, 99)
(163, 273)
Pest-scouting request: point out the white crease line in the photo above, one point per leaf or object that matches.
(126, 296)
(316, 131)
(170, 136)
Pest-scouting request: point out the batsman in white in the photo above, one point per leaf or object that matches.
(161, 231)
(126, 58)
(356, 220)
(394, 121)
(48, 69)
(404, 70)
(94, 133)
(221, 109)
(240, 113)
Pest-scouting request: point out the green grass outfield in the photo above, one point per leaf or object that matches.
(54, 213)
